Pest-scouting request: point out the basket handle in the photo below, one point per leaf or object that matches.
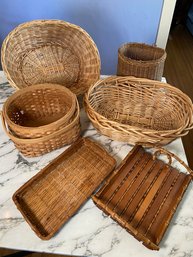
(4, 124)
(170, 155)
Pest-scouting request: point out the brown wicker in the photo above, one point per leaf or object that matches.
(39, 110)
(50, 51)
(141, 60)
(139, 110)
(142, 195)
(52, 196)
(32, 147)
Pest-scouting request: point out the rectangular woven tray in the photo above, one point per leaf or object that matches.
(52, 196)
(143, 194)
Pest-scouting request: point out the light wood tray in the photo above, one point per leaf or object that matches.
(52, 196)
(143, 194)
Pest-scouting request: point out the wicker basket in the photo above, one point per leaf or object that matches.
(50, 51)
(139, 110)
(141, 60)
(39, 110)
(39, 146)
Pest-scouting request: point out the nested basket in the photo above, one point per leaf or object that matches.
(32, 147)
(39, 110)
(139, 110)
(50, 51)
(141, 60)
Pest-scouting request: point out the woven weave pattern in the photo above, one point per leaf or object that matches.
(39, 110)
(50, 198)
(139, 110)
(143, 194)
(141, 60)
(43, 62)
(32, 147)
(50, 51)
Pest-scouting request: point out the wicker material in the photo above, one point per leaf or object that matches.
(50, 51)
(141, 60)
(142, 195)
(139, 110)
(51, 197)
(38, 146)
(39, 110)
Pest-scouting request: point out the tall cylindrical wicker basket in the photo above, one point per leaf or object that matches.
(141, 60)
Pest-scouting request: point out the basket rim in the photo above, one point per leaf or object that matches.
(144, 130)
(43, 22)
(149, 62)
(40, 86)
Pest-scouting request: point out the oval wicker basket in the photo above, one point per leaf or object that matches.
(39, 146)
(141, 60)
(50, 51)
(39, 110)
(139, 110)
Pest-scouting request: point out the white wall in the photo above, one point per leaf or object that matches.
(165, 22)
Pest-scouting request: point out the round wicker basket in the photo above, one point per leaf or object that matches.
(141, 60)
(50, 51)
(39, 110)
(139, 110)
(32, 147)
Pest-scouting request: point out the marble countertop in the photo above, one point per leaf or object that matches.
(89, 232)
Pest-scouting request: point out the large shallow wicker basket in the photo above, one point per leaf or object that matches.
(139, 110)
(32, 147)
(39, 110)
(141, 60)
(50, 51)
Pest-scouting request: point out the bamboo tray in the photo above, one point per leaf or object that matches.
(52, 196)
(143, 194)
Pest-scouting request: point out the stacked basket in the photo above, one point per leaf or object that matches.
(41, 118)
